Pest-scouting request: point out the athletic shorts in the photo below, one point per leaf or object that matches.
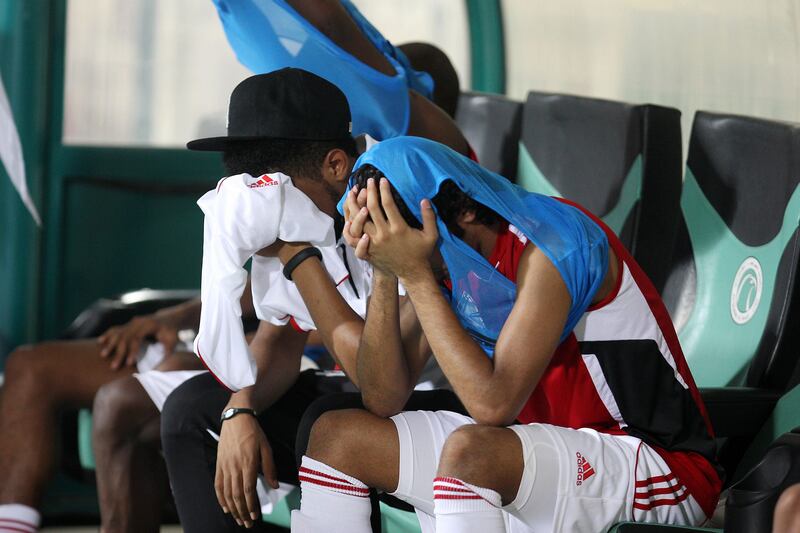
(158, 385)
(573, 480)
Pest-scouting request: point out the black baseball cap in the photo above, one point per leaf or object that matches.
(290, 103)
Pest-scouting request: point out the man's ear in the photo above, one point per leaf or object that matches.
(465, 220)
(466, 217)
(336, 166)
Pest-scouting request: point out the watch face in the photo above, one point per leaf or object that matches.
(228, 413)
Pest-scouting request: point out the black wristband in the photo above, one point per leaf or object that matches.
(229, 413)
(298, 258)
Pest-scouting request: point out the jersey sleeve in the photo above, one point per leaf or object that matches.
(239, 220)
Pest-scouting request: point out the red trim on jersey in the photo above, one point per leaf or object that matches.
(295, 325)
(659, 503)
(507, 251)
(653, 480)
(471, 153)
(199, 355)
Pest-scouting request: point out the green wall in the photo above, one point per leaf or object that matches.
(114, 219)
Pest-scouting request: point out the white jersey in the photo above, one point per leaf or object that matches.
(243, 215)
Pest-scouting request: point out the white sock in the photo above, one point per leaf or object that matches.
(331, 501)
(464, 508)
(18, 518)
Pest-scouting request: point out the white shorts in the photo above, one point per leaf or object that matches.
(158, 385)
(573, 480)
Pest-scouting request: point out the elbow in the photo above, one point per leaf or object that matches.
(498, 415)
(382, 406)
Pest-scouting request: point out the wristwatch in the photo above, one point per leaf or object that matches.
(229, 413)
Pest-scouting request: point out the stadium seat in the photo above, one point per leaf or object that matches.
(731, 286)
(733, 294)
(620, 161)
(491, 124)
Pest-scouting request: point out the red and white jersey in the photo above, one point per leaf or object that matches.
(622, 371)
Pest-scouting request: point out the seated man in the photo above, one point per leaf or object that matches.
(46, 378)
(287, 123)
(49, 376)
(582, 409)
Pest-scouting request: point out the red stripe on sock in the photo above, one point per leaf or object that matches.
(451, 489)
(20, 522)
(14, 522)
(326, 476)
(4, 528)
(472, 496)
(656, 479)
(453, 480)
(347, 488)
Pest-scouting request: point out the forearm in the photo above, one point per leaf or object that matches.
(185, 315)
(339, 326)
(470, 372)
(271, 384)
(383, 373)
(277, 353)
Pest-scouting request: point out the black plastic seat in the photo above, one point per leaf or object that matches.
(732, 284)
(733, 293)
(491, 124)
(621, 161)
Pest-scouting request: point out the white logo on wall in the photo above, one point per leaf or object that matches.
(746, 291)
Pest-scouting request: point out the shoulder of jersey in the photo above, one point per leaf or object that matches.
(264, 182)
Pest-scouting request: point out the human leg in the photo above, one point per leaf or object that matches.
(40, 381)
(787, 511)
(359, 449)
(131, 476)
(190, 423)
(561, 479)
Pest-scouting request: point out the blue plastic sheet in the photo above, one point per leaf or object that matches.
(268, 35)
(481, 297)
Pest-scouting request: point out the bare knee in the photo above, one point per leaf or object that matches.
(335, 434)
(29, 372)
(118, 410)
(486, 456)
(787, 510)
(357, 443)
(468, 448)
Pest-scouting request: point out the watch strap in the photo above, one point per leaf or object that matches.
(229, 413)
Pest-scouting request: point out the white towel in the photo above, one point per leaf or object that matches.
(243, 215)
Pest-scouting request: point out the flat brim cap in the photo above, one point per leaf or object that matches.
(290, 103)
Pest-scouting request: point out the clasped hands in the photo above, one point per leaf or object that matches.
(377, 231)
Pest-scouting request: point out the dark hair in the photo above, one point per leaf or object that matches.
(450, 202)
(428, 58)
(296, 158)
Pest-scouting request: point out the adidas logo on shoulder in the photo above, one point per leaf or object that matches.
(585, 470)
(263, 181)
